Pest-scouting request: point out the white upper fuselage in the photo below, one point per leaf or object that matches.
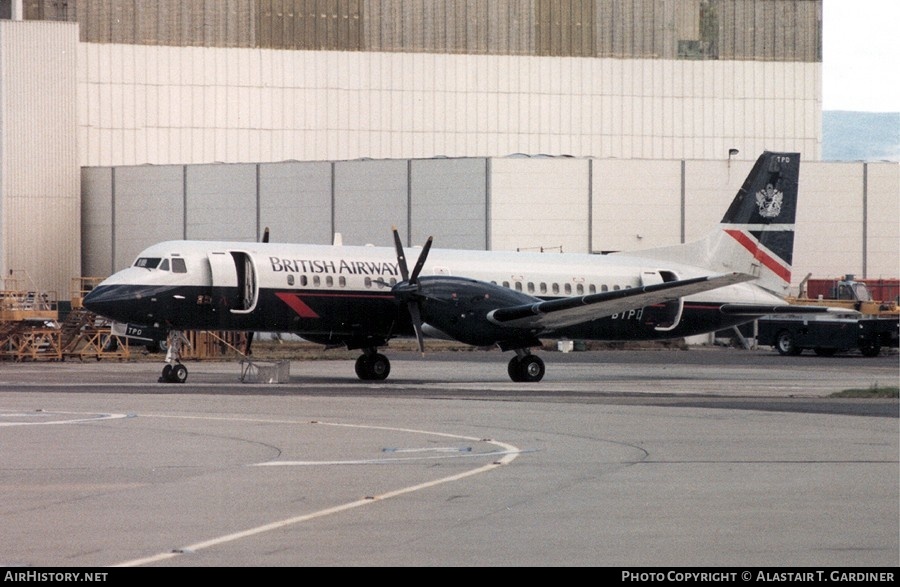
(358, 268)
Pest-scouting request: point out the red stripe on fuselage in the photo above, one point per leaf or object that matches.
(297, 305)
(304, 311)
(768, 260)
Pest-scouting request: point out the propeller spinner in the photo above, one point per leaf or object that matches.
(408, 289)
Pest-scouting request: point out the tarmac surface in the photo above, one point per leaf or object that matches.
(704, 457)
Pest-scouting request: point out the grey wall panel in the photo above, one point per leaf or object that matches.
(96, 221)
(846, 218)
(221, 202)
(369, 198)
(448, 201)
(148, 206)
(636, 204)
(540, 204)
(295, 201)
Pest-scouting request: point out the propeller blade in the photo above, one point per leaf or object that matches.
(265, 237)
(401, 257)
(417, 325)
(421, 262)
(408, 289)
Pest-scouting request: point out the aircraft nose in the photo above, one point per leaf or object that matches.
(110, 301)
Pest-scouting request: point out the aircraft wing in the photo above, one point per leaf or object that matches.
(575, 310)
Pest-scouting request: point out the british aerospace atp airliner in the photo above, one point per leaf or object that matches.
(361, 297)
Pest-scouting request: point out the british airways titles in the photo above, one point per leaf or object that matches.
(333, 267)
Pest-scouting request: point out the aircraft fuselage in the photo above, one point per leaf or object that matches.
(343, 294)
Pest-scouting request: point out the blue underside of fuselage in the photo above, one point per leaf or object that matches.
(329, 316)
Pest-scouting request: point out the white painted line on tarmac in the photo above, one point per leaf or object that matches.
(508, 452)
(91, 418)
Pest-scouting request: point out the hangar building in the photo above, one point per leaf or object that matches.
(583, 125)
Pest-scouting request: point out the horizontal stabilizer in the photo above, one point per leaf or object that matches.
(763, 310)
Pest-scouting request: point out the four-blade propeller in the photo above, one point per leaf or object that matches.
(408, 289)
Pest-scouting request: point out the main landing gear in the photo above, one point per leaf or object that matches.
(525, 367)
(372, 366)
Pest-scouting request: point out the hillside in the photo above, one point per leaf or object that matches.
(860, 136)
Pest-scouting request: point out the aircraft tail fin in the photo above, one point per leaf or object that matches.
(756, 234)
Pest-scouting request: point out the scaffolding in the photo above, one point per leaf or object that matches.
(30, 329)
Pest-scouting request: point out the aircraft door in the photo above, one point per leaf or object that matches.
(248, 287)
(665, 316)
(234, 279)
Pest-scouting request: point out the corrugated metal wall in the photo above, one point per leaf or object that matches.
(165, 105)
(777, 30)
(40, 207)
(846, 214)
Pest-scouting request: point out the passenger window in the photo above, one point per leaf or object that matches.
(592, 288)
(579, 289)
(518, 286)
(290, 279)
(543, 287)
(568, 289)
(506, 284)
(368, 282)
(342, 281)
(179, 265)
(616, 288)
(556, 288)
(317, 281)
(329, 281)
(604, 287)
(304, 281)
(530, 287)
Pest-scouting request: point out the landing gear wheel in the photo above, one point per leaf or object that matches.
(526, 369)
(870, 349)
(373, 367)
(176, 373)
(785, 344)
(179, 373)
(362, 367)
(513, 370)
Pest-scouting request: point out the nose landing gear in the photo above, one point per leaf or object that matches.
(174, 371)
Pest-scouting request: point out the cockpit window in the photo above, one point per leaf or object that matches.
(164, 266)
(148, 262)
(178, 265)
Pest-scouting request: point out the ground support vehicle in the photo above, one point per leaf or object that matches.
(829, 334)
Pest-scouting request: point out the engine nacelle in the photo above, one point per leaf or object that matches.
(458, 307)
